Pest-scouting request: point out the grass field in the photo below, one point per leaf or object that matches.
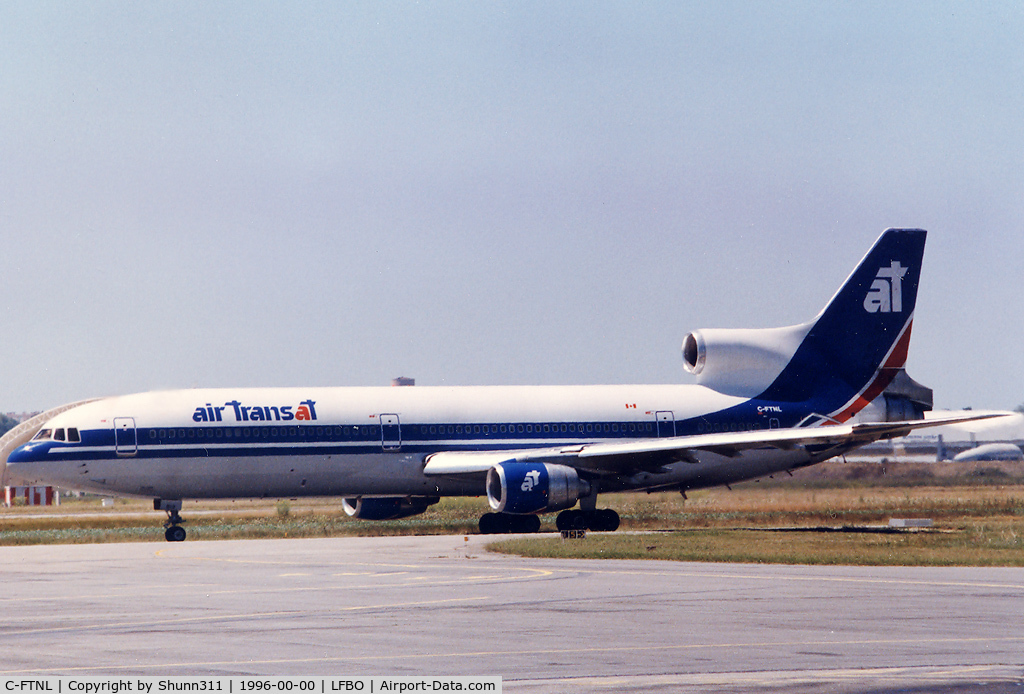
(995, 542)
(791, 521)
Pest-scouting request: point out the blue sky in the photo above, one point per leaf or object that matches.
(202, 194)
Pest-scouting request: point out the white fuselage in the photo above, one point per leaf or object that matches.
(220, 443)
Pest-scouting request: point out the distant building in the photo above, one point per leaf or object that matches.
(403, 381)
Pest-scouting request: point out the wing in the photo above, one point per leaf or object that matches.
(654, 455)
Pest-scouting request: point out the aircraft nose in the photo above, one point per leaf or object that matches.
(5, 450)
(11, 444)
(22, 434)
(8, 474)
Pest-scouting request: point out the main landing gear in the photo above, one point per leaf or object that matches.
(174, 532)
(601, 520)
(504, 523)
(598, 519)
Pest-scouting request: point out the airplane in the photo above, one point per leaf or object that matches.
(765, 401)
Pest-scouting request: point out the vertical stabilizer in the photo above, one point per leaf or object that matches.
(858, 343)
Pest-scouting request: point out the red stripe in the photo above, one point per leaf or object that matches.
(883, 377)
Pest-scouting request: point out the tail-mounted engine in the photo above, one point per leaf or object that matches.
(387, 507)
(741, 362)
(533, 487)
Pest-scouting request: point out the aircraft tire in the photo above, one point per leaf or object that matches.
(571, 520)
(526, 524)
(175, 533)
(490, 524)
(504, 523)
(609, 520)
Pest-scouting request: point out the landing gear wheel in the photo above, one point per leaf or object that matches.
(607, 520)
(526, 524)
(504, 523)
(175, 533)
(571, 520)
(490, 524)
(601, 520)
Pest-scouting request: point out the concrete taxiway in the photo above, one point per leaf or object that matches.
(442, 605)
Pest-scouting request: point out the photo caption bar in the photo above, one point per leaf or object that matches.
(248, 685)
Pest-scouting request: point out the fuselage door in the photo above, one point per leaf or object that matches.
(390, 432)
(125, 441)
(666, 423)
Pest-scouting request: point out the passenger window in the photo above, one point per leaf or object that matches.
(73, 436)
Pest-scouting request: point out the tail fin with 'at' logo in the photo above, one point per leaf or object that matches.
(857, 346)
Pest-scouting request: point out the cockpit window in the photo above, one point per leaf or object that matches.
(72, 435)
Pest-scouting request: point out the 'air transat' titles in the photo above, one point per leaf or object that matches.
(305, 411)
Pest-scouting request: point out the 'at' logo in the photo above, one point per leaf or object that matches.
(886, 293)
(531, 480)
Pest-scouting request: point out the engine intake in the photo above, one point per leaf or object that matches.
(533, 487)
(387, 507)
(741, 362)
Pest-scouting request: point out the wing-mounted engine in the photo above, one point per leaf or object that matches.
(387, 507)
(533, 487)
(741, 362)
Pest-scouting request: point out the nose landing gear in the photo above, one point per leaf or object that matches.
(174, 532)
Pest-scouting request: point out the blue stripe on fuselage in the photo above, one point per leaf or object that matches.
(351, 439)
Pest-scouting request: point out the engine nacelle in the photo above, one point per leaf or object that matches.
(741, 362)
(533, 487)
(387, 507)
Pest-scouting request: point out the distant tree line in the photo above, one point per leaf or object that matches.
(6, 424)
